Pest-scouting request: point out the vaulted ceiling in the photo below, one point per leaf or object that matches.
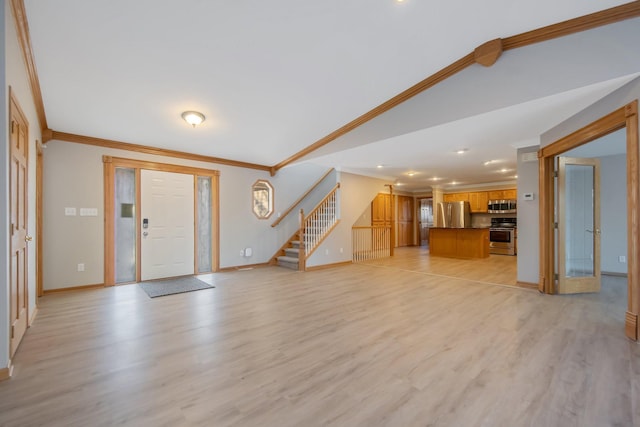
(274, 77)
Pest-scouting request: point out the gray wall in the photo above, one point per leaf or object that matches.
(528, 226)
(73, 177)
(613, 213)
(356, 194)
(617, 99)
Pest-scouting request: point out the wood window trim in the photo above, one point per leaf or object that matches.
(109, 166)
(624, 117)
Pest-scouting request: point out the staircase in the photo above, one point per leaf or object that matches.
(314, 228)
(291, 257)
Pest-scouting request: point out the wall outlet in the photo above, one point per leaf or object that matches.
(80, 267)
(622, 259)
(241, 252)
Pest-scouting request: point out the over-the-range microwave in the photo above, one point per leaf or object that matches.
(501, 206)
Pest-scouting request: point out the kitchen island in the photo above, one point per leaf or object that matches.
(459, 242)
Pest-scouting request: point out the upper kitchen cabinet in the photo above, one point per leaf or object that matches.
(510, 194)
(479, 201)
(456, 197)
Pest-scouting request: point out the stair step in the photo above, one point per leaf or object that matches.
(288, 262)
(293, 252)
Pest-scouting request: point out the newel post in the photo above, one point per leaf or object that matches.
(302, 253)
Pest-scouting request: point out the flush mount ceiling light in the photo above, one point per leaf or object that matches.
(462, 150)
(194, 118)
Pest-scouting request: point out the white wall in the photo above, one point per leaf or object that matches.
(16, 78)
(528, 222)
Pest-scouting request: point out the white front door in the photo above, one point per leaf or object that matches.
(167, 212)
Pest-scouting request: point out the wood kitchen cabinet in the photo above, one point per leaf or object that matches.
(478, 201)
(510, 194)
(456, 197)
(463, 243)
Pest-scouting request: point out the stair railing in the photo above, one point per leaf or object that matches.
(316, 226)
(371, 242)
(300, 199)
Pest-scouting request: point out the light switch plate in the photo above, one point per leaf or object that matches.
(88, 212)
(527, 196)
(70, 211)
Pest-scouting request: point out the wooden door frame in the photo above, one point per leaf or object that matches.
(624, 117)
(39, 220)
(16, 111)
(110, 165)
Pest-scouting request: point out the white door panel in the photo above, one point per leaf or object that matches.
(167, 241)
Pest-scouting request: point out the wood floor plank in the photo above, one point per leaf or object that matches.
(405, 341)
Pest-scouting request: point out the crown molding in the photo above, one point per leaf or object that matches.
(485, 54)
(108, 143)
(22, 28)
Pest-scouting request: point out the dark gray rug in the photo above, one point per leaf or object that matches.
(162, 287)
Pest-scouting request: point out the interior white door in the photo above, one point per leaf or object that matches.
(167, 212)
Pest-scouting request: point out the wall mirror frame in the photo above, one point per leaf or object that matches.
(262, 199)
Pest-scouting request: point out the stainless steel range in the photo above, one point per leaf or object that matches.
(502, 236)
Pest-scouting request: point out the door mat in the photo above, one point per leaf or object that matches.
(179, 285)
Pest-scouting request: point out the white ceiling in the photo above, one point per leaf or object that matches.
(274, 77)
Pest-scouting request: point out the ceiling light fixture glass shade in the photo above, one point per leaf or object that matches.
(194, 118)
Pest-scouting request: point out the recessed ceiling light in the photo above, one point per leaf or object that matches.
(453, 183)
(462, 150)
(504, 170)
(515, 176)
(489, 162)
(380, 166)
(435, 178)
(411, 173)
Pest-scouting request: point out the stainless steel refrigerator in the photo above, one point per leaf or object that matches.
(454, 214)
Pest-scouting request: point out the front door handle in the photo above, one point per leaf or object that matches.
(28, 238)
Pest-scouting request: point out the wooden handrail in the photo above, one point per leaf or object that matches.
(301, 198)
(316, 207)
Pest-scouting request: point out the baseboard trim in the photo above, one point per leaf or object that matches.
(611, 273)
(631, 325)
(73, 289)
(243, 267)
(326, 266)
(529, 285)
(33, 316)
(5, 373)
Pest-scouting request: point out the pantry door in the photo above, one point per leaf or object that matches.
(167, 228)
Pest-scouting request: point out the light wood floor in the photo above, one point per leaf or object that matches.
(389, 343)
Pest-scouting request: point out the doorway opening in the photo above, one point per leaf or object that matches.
(623, 118)
(425, 220)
